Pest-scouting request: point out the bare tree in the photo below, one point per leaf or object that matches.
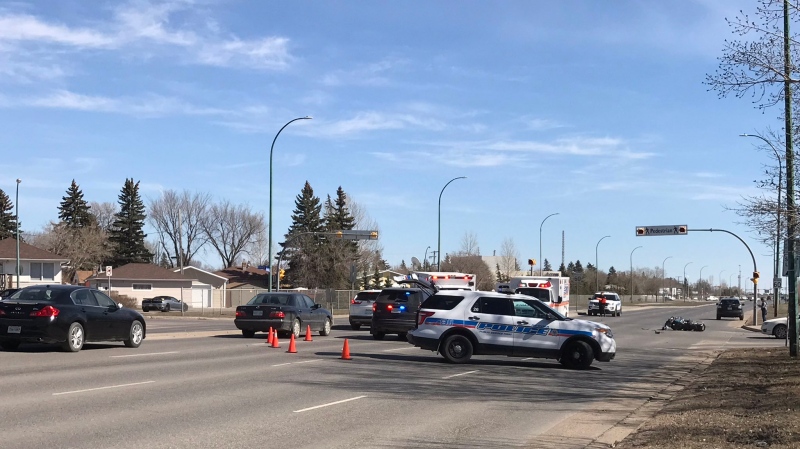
(469, 245)
(471, 264)
(367, 249)
(103, 213)
(230, 229)
(178, 219)
(257, 248)
(85, 247)
(509, 257)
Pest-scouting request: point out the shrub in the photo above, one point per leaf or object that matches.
(126, 301)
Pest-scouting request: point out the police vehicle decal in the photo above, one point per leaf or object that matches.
(505, 328)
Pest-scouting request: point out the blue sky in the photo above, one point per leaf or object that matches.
(594, 110)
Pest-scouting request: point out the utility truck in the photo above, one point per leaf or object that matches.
(550, 287)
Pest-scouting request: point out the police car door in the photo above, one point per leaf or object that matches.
(494, 324)
(535, 335)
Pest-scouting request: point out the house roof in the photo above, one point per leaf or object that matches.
(240, 274)
(185, 269)
(143, 272)
(8, 250)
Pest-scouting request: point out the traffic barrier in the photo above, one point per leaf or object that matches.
(269, 337)
(292, 348)
(346, 350)
(308, 333)
(275, 343)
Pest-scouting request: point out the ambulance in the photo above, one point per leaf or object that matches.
(550, 288)
(444, 280)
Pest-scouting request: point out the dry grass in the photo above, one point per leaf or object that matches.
(746, 398)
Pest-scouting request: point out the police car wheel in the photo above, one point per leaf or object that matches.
(457, 349)
(578, 355)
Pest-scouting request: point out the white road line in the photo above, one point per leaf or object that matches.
(104, 388)
(328, 404)
(400, 349)
(283, 364)
(460, 374)
(309, 361)
(142, 355)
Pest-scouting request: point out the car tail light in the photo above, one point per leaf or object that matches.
(353, 301)
(374, 306)
(2, 312)
(277, 314)
(240, 314)
(423, 315)
(46, 311)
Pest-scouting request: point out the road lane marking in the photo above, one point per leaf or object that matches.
(294, 363)
(460, 374)
(400, 349)
(283, 364)
(142, 355)
(328, 404)
(104, 388)
(309, 361)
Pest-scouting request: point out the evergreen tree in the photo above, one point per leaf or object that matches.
(571, 267)
(563, 270)
(365, 278)
(547, 266)
(376, 277)
(498, 274)
(337, 254)
(74, 210)
(8, 219)
(127, 235)
(403, 267)
(612, 277)
(303, 252)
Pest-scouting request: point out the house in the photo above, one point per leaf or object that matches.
(243, 282)
(145, 280)
(37, 266)
(212, 296)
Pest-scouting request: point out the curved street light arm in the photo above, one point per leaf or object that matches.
(439, 239)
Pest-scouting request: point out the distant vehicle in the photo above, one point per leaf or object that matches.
(613, 304)
(287, 313)
(459, 325)
(164, 304)
(776, 327)
(361, 308)
(69, 315)
(7, 292)
(395, 309)
(447, 280)
(557, 300)
(730, 307)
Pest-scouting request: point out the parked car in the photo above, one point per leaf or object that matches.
(7, 292)
(361, 308)
(730, 307)
(613, 304)
(395, 309)
(164, 304)
(461, 324)
(69, 315)
(287, 313)
(776, 327)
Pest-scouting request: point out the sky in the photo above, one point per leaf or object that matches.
(596, 111)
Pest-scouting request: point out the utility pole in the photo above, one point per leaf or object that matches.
(790, 206)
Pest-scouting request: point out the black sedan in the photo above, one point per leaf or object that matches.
(68, 315)
(164, 304)
(288, 313)
(7, 292)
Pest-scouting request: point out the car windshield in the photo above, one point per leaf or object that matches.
(39, 294)
(397, 295)
(608, 297)
(367, 296)
(266, 298)
(541, 294)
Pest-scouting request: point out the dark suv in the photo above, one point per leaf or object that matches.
(395, 309)
(730, 307)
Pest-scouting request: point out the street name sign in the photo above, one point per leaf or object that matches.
(646, 231)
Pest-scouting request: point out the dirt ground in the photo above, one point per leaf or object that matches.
(746, 398)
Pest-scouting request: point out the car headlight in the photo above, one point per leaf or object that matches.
(605, 330)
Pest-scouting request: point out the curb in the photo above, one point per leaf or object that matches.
(751, 328)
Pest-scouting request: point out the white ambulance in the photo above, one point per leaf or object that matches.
(552, 281)
(444, 280)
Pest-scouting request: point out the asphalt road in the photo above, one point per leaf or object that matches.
(198, 384)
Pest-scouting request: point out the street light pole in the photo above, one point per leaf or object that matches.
(776, 276)
(685, 281)
(663, 277)
(597, 270)
(16, 219)
(541, 261)
(634, 249)
(269, 240)
(702, 291)
(439, 245)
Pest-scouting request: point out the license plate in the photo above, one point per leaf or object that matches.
(729, 307)
(396, 310)
(258, 312)
(14, 329)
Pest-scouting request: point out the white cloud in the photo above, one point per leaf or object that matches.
(540, 124)
(26, 28)
(268, 53)
(373, 74)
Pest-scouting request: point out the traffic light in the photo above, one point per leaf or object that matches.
(339, 234)
(640, 232)
(755, 277)
(531, 262)
(682, 230)
(281, 274)
(373, 235)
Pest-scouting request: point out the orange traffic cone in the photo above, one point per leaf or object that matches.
(292, 348)
(269, 337)
(346, 350)
(308, 333)
(275, 343)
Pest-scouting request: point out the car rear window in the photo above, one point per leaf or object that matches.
(397, 295)
(367, 296)
(538, 293)
(731, 301)
(42, 294)
(278, 300)
(441, 302)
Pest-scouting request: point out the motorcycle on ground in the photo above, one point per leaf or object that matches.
(683, 324)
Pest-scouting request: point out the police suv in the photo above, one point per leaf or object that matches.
(460, 324)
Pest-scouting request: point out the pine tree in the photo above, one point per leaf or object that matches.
(563, 270)
(74, 210)
(498, 274)
(303, 250)
(365, 278)
(547, 266)
(376, 277)
(403, 266)
(337, 254)
(612, 277)
(127, 234)
(8, 221)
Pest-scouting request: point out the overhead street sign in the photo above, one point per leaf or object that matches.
(646, 231)
(352, 234)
